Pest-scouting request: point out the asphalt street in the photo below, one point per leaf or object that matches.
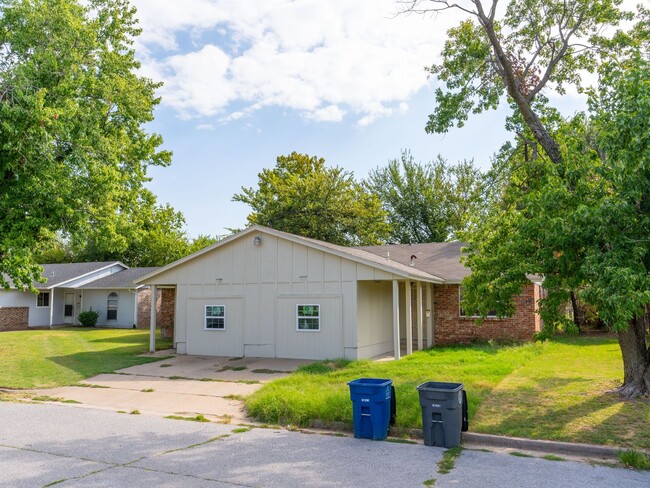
(45, 444)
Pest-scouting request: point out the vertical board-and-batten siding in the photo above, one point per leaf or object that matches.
(261, 286)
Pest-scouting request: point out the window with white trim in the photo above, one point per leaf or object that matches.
(492, 314)
(215, 317)
(111, 306)
(308, 317)
(43, 299)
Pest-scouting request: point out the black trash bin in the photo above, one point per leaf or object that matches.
(442, 413)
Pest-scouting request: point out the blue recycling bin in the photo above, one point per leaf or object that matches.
(371, 407)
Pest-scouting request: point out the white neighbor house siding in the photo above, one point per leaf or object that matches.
(38, 316)
(260, 287)
(98, 301)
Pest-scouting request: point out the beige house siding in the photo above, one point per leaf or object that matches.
(374, 318)
(261, 287)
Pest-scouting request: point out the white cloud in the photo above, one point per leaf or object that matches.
(205, 127)
(324, 59)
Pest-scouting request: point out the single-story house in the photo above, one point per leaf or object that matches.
(266, 293)
(105, 287)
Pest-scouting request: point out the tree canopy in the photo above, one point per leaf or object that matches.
(73, 148)
(575, 212)
(433, 202)
(303, 196)
(533, 45)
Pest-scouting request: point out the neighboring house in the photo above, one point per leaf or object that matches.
(105, 287)
(266, 293)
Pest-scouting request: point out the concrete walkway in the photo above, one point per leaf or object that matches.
(182, 385)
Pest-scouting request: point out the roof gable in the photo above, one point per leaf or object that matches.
(351, 253)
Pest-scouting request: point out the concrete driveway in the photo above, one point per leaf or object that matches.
(181, 385)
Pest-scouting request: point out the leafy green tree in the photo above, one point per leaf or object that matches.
(143, 234)
(584, 223)
(434, 202)
(73, 148)
(561, 206)
(303, 196)
(534, 45)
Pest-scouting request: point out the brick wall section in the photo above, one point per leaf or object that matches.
(144, 308)
(452, 329)
(165, 310)
(167, 307)
(14, 318)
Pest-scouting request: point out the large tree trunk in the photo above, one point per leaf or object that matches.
(636, 359)
(577, 312)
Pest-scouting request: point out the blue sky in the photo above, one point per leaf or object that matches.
(248, 81)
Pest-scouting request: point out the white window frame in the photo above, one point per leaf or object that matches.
(49, 297)
(116, 306)
(298, 317)
(461, 311)
(206, 317)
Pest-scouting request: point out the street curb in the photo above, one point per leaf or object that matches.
(570, 448)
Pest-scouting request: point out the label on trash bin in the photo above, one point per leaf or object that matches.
(436, 405)
(365, 399)
(460, 397)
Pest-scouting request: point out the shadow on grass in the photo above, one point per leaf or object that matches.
(91, 363)
(603, 418)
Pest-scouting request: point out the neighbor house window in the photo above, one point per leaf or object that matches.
(43, 299)
(308, 317)
(215, 317)
(111, 308)
(464, 313)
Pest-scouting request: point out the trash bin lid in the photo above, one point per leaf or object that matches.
(440, 386)
(370, 382)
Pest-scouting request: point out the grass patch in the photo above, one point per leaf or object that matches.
(232, 368)
(634, 459)
(268, 371)
(520, 454)
(46, 358)
(553, 457)
(448, 461)
(319, 391)
(147, 390)
(196, 418)
(135, 412)
(47, 398)
(398, 440)
(166, 365)
(556, 390)
(241, 430)
(564, 396)
(430, 482)
(326, 366)
(233, 396)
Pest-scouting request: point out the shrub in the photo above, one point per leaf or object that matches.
(88, 318)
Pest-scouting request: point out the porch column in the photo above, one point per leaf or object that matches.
(152, 322)
(409, 318)
(418, 297)
(430, 316)
(396, 341)
(51, 306)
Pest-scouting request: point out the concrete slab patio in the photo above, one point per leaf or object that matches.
(180, 385)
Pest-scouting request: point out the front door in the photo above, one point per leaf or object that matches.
(68, 309)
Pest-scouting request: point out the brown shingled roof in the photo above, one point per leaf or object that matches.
(437, 258)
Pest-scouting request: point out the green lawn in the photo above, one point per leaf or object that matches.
(54, 357)
(552, 390)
